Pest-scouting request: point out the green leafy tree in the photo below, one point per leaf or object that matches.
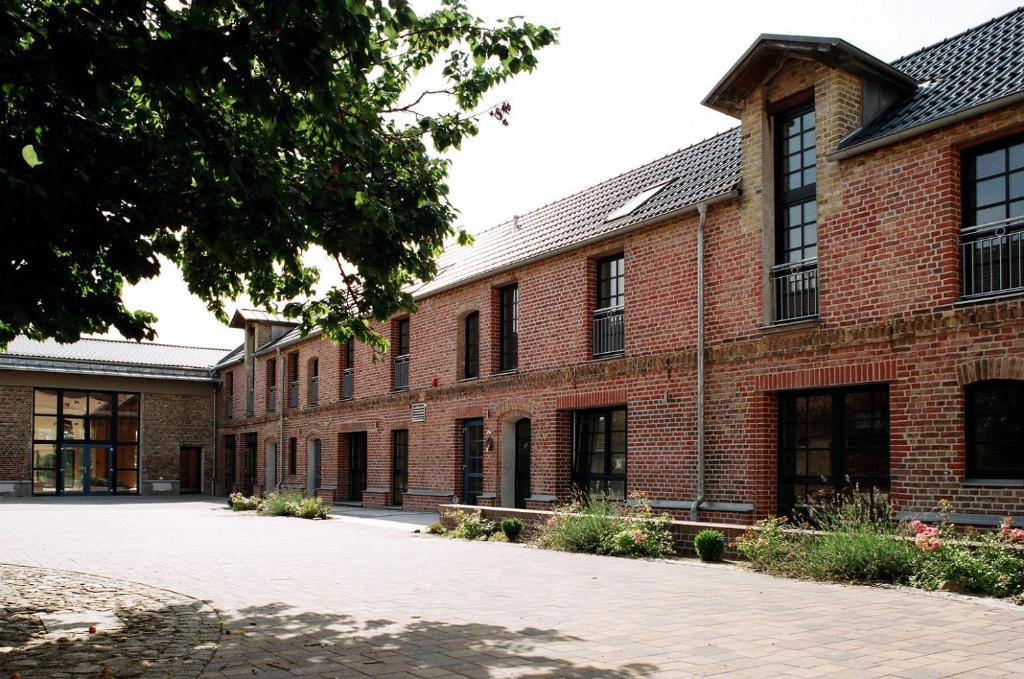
(230, 136)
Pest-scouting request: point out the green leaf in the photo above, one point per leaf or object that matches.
(28, 152)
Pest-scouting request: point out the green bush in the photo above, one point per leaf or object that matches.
(471, 526)
(846, 539)
(863, 544)
(498, 536)
(241, 503)
(437, 528)
(512, 527)
(312, 507)
(597, 526)
(710, 545)
(281, 503)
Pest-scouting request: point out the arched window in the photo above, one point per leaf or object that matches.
(995, 429)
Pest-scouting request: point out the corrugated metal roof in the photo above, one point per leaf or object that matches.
(978, 66)
(705, 170)
(114, 352)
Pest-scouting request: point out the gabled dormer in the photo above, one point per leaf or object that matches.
(797, 98)
(260, 328)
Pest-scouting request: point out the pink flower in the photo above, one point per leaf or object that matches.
(936, 544)
(1017, 535)
(638, 537)
(917, 525)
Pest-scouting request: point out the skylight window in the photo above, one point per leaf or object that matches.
(636, 201)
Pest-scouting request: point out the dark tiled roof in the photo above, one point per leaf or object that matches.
(978, 66)
(705, 170)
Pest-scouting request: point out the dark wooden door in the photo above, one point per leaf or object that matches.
(356, 465)
(191, 469)
(249, 472)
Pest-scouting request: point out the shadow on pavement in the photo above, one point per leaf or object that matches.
(270, 637)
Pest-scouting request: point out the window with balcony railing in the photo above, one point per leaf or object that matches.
(992, 240)
(794, 277)
(293, 394)
(348, 373)
(400, 338)
(401, 373)
(347, 383)
(313, 393)
(609, 329)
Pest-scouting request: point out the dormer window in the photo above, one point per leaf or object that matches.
(795, 273)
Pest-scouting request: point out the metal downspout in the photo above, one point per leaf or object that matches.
(702, 209)
(213, 476)
(281, 395)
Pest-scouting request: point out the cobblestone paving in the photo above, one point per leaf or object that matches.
(46, 617)
(347, 598)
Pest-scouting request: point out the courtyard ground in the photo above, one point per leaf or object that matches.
(362, 595)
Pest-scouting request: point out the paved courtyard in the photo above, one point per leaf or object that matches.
(364, 596)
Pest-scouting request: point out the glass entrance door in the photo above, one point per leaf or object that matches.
(472, 460)
(86, 470)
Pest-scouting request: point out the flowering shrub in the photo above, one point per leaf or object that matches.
(311, 507)
(470, 526)
(243, 503)
(990, 564)
(294, 504)
(595, 525)
(926, 537)
(861, 546)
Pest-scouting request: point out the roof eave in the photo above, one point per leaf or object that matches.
(108, 369)
(928, 126)
(629, 228)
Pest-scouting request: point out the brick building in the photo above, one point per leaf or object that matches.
(106, 417)
(828, 295)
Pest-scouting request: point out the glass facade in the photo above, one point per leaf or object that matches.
(85, 442)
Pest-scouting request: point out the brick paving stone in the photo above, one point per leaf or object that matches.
(140, 631)
(351, 598)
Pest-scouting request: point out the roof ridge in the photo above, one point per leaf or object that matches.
(959, 35)
(144, 343)
(610, 179)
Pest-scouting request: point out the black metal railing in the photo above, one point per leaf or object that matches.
(293, 394)
(250, 401)
(795, 291)
(609, 331)
(401, 372)
(347, 383)
(272, 397)
(229, 409)
(314, 390)
(992, 257)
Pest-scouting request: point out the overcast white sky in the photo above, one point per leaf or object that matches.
(623, 87)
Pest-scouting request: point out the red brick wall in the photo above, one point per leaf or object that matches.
(889, 283)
